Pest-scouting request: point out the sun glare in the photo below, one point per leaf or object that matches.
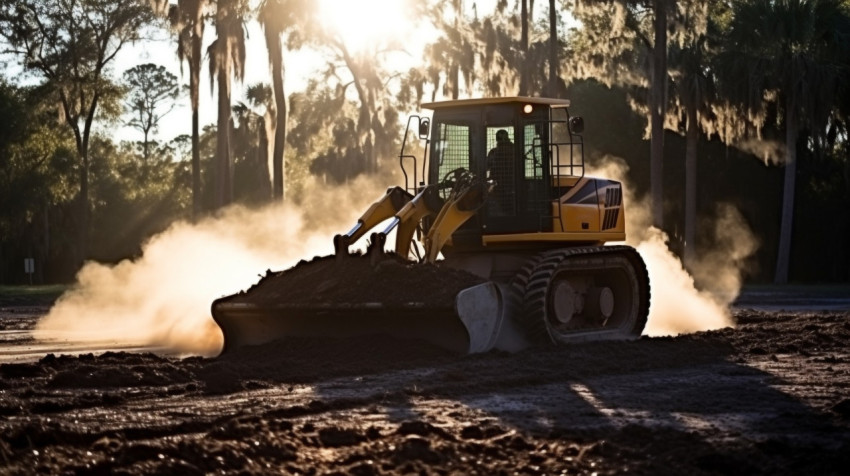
(363, 24)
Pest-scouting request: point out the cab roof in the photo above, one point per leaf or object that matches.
(489, 101)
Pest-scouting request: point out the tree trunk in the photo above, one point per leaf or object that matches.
(197, 206)
(83, 210)
(265, 131)
(692, 137)
(194, 86)
(454, 75)
(278, 165)
(453, 79)
(45, 248)
(145, 153)
(275, 50)
(657, 106)
(224, 185)
(523, 45)
(783, 258)
(553, 50)
(366, 116)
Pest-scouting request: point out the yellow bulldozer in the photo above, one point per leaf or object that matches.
(499, 242)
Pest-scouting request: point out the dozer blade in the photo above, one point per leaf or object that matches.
(473, 324)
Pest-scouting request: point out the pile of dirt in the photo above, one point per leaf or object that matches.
(393, 281)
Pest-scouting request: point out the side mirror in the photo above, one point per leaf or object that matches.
(424, 127)
(576, 125)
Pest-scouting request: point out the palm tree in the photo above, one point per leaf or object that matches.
(277, 17)
(793, 47)
(187, 19)
(227, 58)
(274, 17)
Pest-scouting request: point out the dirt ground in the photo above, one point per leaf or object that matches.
(771, 396)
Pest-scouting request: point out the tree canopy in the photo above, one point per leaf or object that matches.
(691, 95)
(152, 93)
(69, 45)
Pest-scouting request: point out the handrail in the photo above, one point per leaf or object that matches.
(402, 156)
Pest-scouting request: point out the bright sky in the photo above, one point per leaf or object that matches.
(354, 19)
(299, 66)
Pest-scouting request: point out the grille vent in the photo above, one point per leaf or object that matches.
(613, 201)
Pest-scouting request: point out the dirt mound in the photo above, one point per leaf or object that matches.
(393, 281)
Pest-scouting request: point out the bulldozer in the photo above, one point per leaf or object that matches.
(499, 194)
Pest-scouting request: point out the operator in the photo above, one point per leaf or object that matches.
(500, 158)
(500, 166)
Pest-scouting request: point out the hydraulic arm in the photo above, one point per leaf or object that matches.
(467, 194)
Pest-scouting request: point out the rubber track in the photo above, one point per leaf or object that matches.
(536, 276)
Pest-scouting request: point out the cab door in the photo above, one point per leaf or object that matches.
(456, 144)
(518, 202)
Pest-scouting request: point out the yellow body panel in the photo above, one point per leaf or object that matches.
(598, 237)
(573, 218)
(459, 208)
(585, 215)
(450, 219)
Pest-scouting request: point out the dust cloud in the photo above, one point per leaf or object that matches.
(162, 299)
(770, 152)
(678, 305)
(719, 268)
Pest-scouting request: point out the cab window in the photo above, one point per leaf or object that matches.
(451, 148)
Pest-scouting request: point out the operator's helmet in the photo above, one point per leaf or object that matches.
(502, 136)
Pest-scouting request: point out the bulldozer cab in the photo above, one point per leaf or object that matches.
(527, 148)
